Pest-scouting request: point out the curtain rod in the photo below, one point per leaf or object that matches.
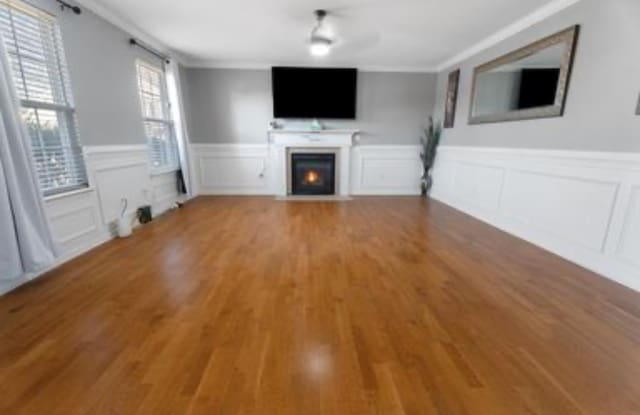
(64, 5)
(154, 52)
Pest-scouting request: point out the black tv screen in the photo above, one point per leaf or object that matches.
(328, 93)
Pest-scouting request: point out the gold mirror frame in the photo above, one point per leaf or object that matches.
(568, 36)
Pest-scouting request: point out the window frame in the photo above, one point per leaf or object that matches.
(62, 105)
(167, 121)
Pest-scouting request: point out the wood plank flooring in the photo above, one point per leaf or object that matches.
(374, 306)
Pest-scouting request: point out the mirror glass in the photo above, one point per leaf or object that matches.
(528, 83)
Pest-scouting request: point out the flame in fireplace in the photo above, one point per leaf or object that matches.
(311, 177)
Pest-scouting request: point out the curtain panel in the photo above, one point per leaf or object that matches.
(26, 242)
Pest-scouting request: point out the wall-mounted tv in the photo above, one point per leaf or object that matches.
(303, 93)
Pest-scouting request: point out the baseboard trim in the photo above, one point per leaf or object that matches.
(10, 285)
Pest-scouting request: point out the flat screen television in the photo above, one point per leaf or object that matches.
(304, 93)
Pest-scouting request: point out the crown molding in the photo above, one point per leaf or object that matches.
(544, 12)
(539, 15)
(404, 69)
(129, 27)
(204, 64)
(212, 64)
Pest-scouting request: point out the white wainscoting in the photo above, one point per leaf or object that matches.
(164, 192)
(385, 170)
(76, 222)
(244, 169)
(582, 206)
(83, 219)
(232, 169)
(119, 172)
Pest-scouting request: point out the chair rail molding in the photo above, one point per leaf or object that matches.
(583, 206)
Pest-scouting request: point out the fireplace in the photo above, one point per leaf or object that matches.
(285, 143)
(313, 173)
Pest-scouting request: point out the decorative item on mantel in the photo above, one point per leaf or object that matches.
(275, 125)
(316, 125)
(429, 142)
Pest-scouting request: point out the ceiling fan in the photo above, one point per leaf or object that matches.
(351, 41)
(320, 43)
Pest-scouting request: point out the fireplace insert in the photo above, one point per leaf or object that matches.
(313, 173)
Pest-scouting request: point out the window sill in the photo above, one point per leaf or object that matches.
(70, 193)
(161, 172)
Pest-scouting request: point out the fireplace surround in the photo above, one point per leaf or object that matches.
(285, 143)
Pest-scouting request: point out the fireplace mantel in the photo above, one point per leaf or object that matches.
(282, 142)
(298, 138)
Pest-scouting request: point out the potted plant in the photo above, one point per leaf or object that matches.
(429, 142)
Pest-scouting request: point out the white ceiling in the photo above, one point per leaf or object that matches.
(382, 34)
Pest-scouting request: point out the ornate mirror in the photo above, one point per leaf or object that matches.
(528, 83)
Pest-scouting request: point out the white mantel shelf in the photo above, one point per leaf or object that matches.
(301, 138)
(308, 131)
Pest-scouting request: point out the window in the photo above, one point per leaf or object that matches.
(158, 126)
(34, 44)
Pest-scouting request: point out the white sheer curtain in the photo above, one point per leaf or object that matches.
(177, 114)
(26, 243)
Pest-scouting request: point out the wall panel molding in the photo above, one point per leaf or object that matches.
(245, 169)
(386, 170)
(75, 220)
(232, 169)
(580, 205)
(164, 191)
(89, 226)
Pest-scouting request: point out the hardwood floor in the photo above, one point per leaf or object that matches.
(374, 306)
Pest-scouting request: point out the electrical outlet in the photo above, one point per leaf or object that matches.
(638, 106)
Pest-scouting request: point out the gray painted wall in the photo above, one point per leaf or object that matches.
(228, 105)
(103, 77)
(235, 106)
(602, 96)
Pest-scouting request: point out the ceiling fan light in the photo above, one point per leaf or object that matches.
(320, 46)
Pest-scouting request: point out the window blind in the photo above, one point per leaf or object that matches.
(158, 126)
(34, 45)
